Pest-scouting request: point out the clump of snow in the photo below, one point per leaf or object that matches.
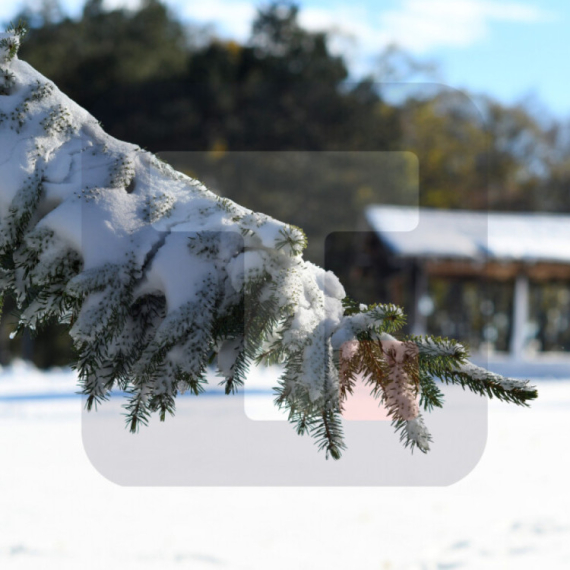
(479, 373)
(105, 226)
(352, 325)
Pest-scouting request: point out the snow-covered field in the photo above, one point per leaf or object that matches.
(58, 512)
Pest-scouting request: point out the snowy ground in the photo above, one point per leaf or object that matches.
(58, 512)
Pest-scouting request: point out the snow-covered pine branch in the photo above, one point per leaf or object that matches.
(156, 276)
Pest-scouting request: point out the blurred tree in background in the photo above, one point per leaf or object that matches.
(210, 105)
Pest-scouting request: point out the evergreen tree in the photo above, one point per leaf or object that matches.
(156, 277)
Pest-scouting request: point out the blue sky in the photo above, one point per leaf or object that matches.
(511, 49)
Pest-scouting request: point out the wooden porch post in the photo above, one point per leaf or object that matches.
(520, 317)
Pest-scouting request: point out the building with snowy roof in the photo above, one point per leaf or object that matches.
(499, 280)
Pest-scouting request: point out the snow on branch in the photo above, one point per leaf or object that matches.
(156, 277)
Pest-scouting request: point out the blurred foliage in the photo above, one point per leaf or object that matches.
(319, 191)
(211, 105)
